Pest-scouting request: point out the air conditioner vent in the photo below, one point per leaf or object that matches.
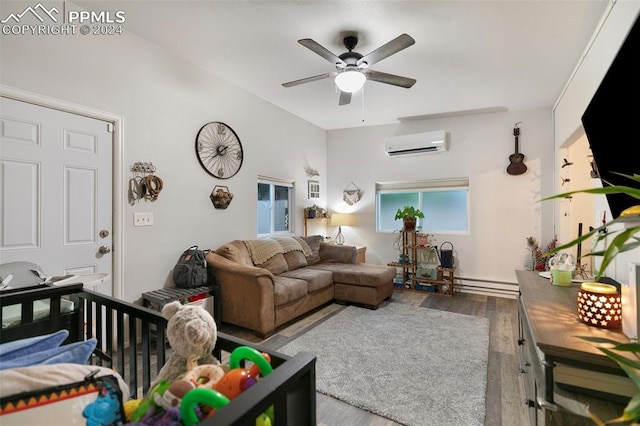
(417, 143)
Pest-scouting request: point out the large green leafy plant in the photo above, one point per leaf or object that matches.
(409, 212)
(630, 364)
(623, 239)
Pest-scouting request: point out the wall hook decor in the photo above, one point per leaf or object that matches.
(144, 184)
(221, 197)
(566, 163)
(351, 194)
(310, 171)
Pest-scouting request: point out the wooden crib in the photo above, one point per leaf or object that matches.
(131, 341)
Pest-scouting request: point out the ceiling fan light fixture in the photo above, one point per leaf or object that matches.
(350, 81)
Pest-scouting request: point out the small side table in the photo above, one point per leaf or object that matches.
(156, 299)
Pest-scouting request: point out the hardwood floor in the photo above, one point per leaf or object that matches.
(504, 404)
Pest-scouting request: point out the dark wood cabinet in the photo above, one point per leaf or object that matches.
(561, 374)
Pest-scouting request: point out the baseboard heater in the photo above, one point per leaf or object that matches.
(486, 287)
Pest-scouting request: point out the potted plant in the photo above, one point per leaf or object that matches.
(409, 215)
(312, 211)
(626, 355)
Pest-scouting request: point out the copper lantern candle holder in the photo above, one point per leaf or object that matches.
(599, 305)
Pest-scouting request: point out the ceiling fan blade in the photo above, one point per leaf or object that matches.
(394, 46)
(395, 80)
(322, 51)
(309, 79)
(345, 98)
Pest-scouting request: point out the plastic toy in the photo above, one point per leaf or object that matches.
(235, 382)
(197, 396)
(205, 375)
(174, 394)
(254, 370)
(103, 411)
(238, 379)
(150, 401)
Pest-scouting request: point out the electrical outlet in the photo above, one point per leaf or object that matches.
(142, 219)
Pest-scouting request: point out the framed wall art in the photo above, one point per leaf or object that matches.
(314, 189)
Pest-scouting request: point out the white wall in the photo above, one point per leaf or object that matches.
(164, 102)
(589, 72)
(504, 208)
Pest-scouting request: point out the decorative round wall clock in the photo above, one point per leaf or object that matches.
(219, 150)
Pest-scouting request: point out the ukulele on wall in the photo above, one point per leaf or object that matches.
(516, 161)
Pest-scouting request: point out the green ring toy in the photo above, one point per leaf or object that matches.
(200, 396)
(245, 352)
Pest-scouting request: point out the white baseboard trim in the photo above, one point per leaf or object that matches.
(487, 288)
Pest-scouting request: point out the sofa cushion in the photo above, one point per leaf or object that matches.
(314, 242)
(235, 251)
(295, 260)
(359, 273)
(276, 264)
(338, 254)
(287, 289)
(316, 278)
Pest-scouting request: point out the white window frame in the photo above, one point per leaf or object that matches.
(277, 182)
(419, 187)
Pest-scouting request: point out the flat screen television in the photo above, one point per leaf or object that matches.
(612, 118)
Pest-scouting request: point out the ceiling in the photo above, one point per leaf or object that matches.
(469, 56)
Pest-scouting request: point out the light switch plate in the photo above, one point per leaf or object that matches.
(142, 219)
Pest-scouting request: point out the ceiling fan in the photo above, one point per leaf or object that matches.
(352, 69)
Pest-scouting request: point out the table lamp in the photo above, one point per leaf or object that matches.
(340, 220)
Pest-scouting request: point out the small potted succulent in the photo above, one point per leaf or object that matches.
(312, 211)
(409, 216)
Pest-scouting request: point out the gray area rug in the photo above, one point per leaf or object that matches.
(413, 365)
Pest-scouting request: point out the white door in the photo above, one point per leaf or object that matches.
(56, 195)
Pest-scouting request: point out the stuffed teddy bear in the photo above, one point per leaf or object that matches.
(192, 334)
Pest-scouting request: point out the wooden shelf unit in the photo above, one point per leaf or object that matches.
(442, 285)
(319, 223)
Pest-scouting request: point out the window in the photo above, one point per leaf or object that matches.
(444, 202)
(275, 199)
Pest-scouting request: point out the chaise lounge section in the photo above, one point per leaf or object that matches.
(267, 283)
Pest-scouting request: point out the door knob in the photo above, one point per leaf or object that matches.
(104, 249)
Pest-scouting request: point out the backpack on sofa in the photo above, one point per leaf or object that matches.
(191, 269)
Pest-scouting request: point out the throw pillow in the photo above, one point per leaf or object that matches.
(276, 264)
(295, 260)
(30, 345)
(75, 353)
(314, 242)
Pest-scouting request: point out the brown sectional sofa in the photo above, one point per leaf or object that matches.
(293, 281)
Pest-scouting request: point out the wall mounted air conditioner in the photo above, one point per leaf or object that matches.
(417, 143)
